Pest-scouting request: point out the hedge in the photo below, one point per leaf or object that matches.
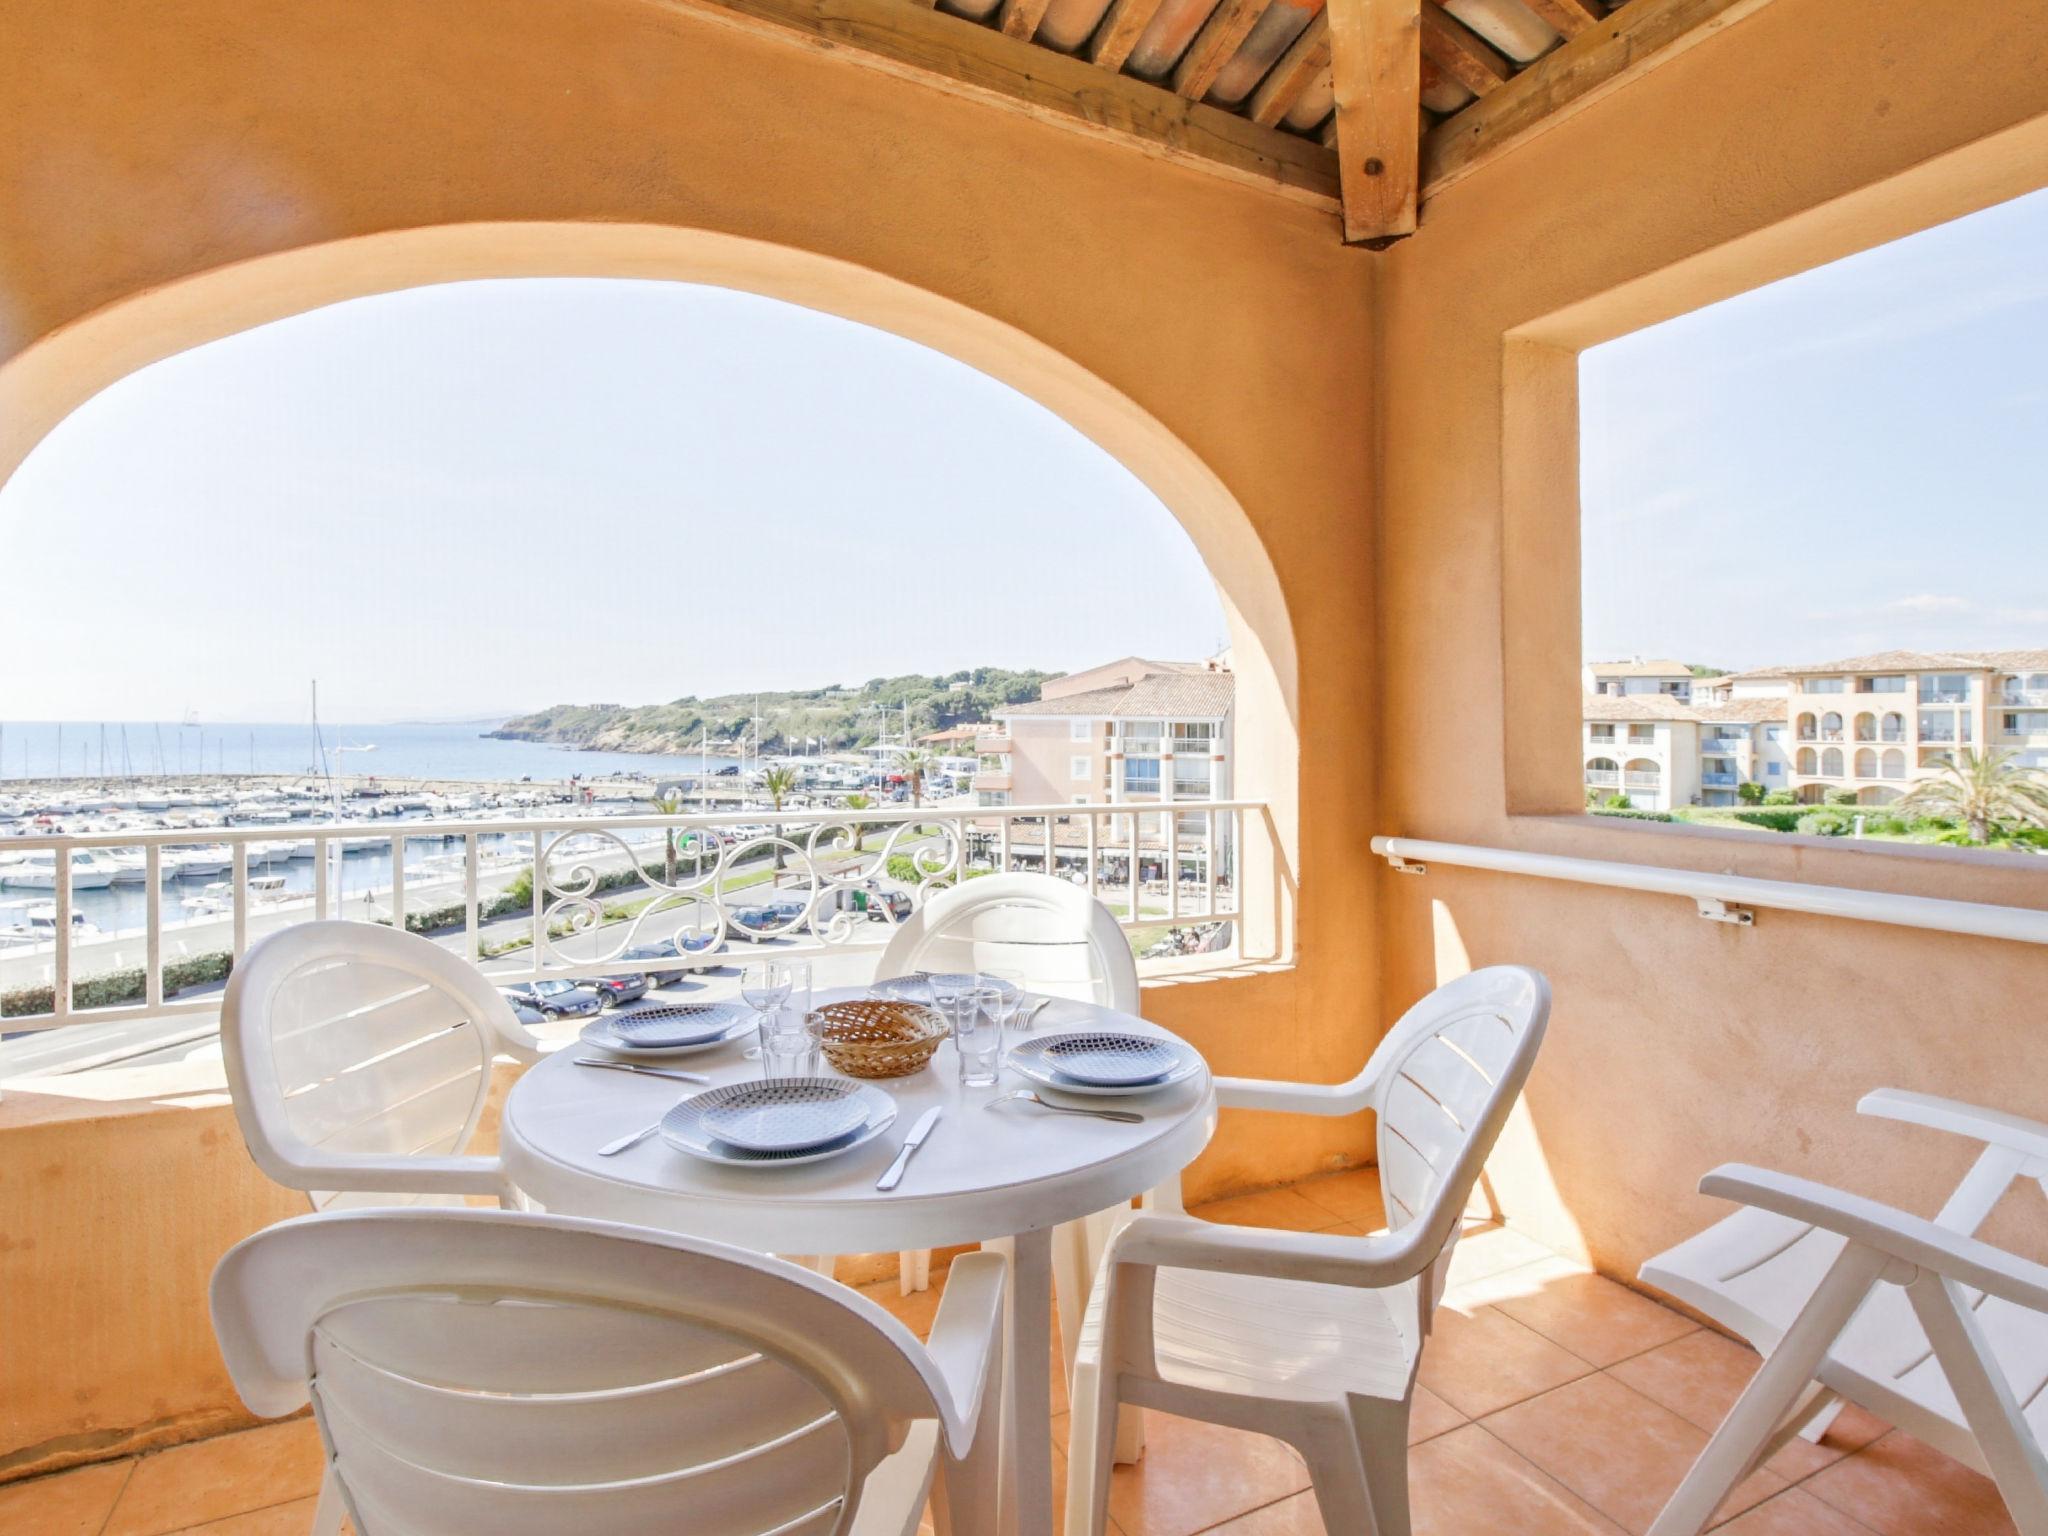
(113, 988)
(1632, 815)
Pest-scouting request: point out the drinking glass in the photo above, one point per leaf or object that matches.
(789, 1047)
(1009, 982)
(765, 984)
(978, 1036)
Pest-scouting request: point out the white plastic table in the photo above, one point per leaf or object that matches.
(1012, 1172)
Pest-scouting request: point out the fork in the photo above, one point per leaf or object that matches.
(1026, 1096)
(613, 1148)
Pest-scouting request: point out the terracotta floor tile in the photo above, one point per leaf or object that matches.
(1295, 1515)
(1899, 1486)
(293, 1519)
(1594, 1318)
(1467, 1483)
(1285, 1209)
(1616, 1449)
(1197, 1475)
(74, 1503)
(1699, 1376)
(1485, 1360)
(1352, 1196)
(1792, 1513)
(211, 1479)
(1487, 1250)
(1507, 1284)
(1430, 1416)
(914, 1311)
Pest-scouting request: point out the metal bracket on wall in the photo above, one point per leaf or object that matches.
(1715, 910)
(1401, 866)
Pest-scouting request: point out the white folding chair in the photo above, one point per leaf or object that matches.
(520, 1374)
(1065, 944)
(1919, 1321)
(359, 1058)
(1314, 1338)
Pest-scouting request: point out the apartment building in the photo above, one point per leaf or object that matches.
(1656, 678)
(1138, 731)
(1872, 724)
(1663, 752)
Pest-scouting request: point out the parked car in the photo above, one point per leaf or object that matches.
(868, 900)
(629, 987)
(555, 999)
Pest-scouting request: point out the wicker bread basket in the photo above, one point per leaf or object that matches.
(878, 1037)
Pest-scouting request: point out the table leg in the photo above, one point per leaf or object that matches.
(1026, 1508)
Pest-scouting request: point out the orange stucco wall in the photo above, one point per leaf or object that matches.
(174, 172)
(1803, 133)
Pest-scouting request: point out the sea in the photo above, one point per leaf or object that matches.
(40, 749)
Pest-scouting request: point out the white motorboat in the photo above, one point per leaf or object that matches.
(193, 863)
(37, 871)
(33, 925)
(128, 866)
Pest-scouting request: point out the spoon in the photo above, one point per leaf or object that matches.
(1026, 1096)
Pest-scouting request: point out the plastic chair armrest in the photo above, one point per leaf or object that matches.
(2028, 1137)
(1911, 1239)
(1182, 1242)
(392, 1175)
(1296, 1098)
(966, 1341)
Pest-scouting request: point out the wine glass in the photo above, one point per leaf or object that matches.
(1008, 983)
(765, 984)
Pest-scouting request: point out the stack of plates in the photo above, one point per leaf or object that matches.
(668, 1029)
(778, 1120)
(1104, 1062)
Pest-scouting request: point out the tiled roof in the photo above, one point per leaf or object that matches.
(1165, 695)
(1637, 707)
(1638, 668)
(1913, 661)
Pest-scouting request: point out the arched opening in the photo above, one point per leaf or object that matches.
(1831, 762)
(1893, 765)
(1831, 726)
(1893, 727)
(1807, 730)
(1866, 763)
(1866, 726)
(1876, 794)
(1808, 762)
(1813, 794)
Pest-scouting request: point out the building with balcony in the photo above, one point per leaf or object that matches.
(1663, 752)
(1663, 678)
(1879, 723)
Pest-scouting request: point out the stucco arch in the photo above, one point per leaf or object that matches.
(50, 380)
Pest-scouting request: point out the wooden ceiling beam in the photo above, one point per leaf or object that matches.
(1119, 31)
(981, 64)
(1462, 53)
(1292, 73)
(1635, 39)
(1568, 18)
(1227, 27)
(1376, 69)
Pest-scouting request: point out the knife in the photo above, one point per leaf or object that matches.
(644, 1071)
(918, 1132)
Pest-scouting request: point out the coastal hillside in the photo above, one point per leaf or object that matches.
(837, 717)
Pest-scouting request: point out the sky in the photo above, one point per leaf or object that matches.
(466, 501)
(1851, 460)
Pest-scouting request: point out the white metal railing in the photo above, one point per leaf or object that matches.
(1727, 896)
(1642, 780)
(1603, 776)
(2024, 696)
(595, 886)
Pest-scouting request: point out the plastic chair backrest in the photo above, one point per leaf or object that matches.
(359, 1041)
(1064, 941)
(529, 1375)
(1445, 1078)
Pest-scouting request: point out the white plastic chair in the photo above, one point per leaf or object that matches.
(359, 1058)
(1314, 1338)
(529, 1375)
(1919, 1321)
(1066, 944)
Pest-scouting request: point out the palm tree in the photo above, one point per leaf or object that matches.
(1981, 790)
(669, 803)
(859, 828)
(914, 763)
(779, 781)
